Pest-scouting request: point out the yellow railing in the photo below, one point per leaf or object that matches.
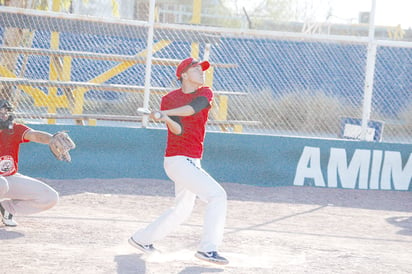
(73, 98)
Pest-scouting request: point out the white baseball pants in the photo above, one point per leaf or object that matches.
(190, 181)
(24, 195)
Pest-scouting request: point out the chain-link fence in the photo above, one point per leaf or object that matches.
(66, 66)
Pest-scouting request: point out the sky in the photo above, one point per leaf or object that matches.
(388, 12)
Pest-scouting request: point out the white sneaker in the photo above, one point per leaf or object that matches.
(7, 217)
(144, 248)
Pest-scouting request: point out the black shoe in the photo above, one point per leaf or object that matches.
(212, 257)
(7, 217)
(144, 248)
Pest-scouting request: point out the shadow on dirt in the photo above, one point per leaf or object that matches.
(403, 222)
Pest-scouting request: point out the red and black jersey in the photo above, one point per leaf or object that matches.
(10, 141)
(190, 141)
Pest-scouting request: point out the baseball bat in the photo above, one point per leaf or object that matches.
(143, 111)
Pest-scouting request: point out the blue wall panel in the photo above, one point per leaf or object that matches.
(109, 152)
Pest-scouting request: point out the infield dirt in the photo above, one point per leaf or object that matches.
(268, 230)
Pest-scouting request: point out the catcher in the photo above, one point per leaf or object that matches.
(21, 194)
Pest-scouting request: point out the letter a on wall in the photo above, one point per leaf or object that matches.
(309, 167)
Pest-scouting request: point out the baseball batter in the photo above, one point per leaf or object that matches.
(20, 194)
(185, 112)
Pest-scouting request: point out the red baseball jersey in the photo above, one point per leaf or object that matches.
(190, 142)
(10, 141)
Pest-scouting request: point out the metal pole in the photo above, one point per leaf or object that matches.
(369, 74)
(149, 56)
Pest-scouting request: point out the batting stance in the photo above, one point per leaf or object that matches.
(21, 194)
(185, 112)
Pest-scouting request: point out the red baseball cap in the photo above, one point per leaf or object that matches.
(188, 63)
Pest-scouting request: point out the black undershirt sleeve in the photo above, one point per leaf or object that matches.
(199, 103)
(177, 120)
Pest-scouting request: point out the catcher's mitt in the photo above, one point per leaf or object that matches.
(60, 145)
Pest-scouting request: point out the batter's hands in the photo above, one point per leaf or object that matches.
(158, 115)
(172, 125)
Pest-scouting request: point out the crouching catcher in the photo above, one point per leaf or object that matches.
(20, 194)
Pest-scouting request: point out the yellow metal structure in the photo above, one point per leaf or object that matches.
(79, 92)
(73, 99)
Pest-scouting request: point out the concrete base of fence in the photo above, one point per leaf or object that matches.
(109, 152)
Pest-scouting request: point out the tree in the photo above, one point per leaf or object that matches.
(260, 14)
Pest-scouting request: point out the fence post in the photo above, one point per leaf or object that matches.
(148, 72)
(369, 73)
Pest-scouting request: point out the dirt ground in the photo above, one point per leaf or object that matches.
(268, 230)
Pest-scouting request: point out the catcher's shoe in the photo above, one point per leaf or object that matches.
(7, 217)
(211, 257)
(144, 248)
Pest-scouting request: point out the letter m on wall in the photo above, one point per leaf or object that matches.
(392, 171)
(349, 175)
